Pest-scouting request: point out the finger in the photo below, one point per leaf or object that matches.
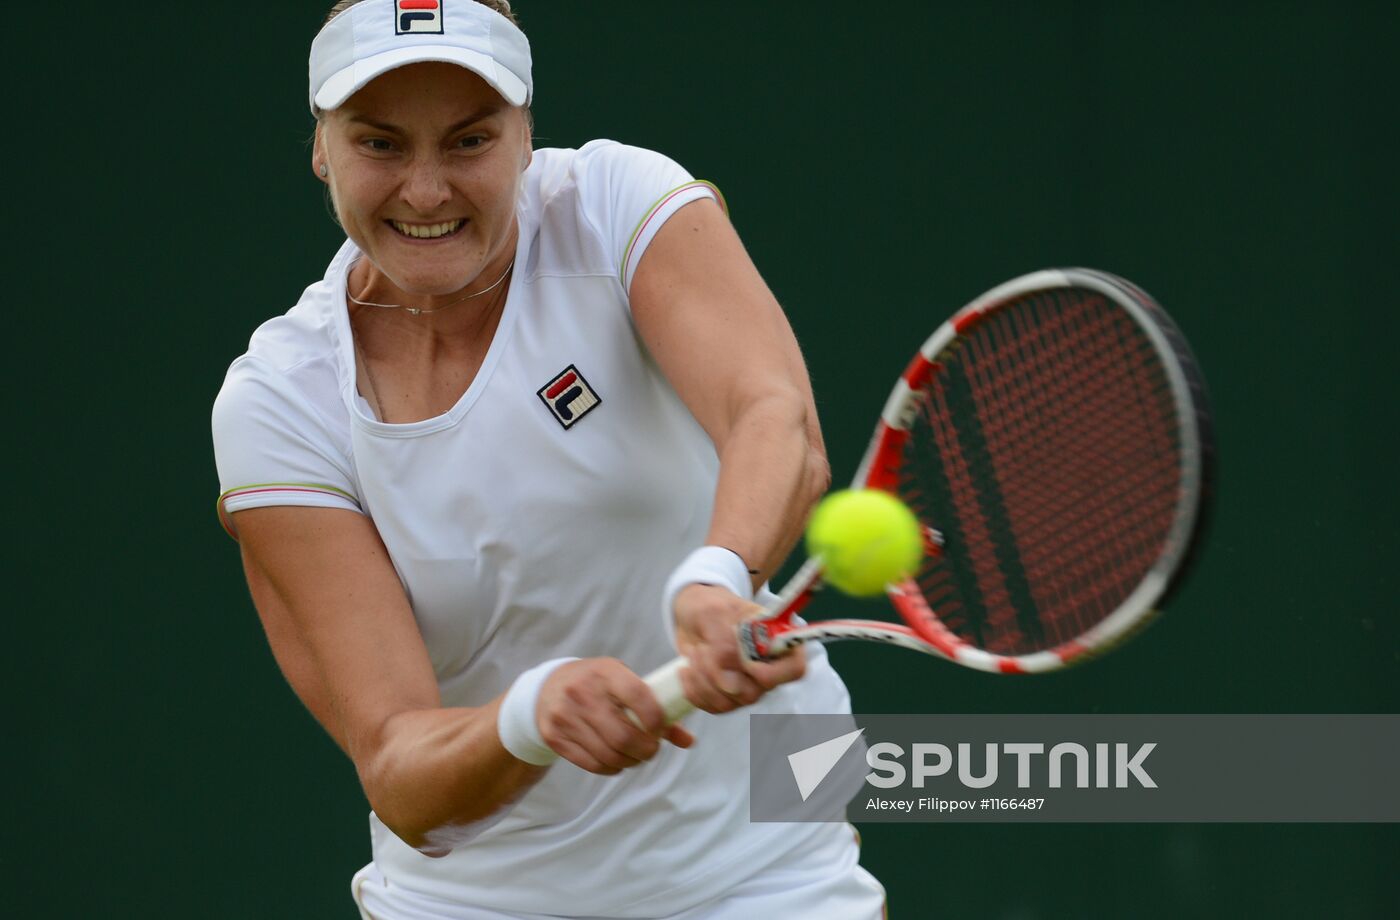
(769, 674)
(720, 663)
(679, 736)
(636, 697)
(702, 692)
(595, 721)
(558, 728)
(723, 641)
(579, 756)
(619, 741)
(572, 731)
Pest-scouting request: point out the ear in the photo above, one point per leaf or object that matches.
(319, 164)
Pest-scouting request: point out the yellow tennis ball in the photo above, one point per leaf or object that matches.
(866, 539)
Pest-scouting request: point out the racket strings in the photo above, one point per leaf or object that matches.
(1087, 382)
(1045, 450)
(1137, 440)
(972, 571)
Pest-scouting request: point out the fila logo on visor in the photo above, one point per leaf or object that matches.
(569, 396)
(415, 17)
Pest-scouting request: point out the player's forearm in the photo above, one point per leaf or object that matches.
(771, 472)
(435, 770)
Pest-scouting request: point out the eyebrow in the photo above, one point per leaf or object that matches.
(472, 119)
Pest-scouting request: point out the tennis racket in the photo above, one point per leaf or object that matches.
(1054, 439)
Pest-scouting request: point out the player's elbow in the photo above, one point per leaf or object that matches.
(429, 827)
(376, 780)
(396, 812)
(433, 782)
(387, 786)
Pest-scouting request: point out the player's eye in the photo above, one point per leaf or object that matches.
(378, 144)
(471, 141)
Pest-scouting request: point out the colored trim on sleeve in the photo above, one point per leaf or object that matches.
(304, 488)
(660, 205)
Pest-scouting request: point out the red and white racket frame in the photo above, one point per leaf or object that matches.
(779, 629)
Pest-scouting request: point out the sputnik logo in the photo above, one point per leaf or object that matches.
(812, 765)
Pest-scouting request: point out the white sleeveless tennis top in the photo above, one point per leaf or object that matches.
(539, 517)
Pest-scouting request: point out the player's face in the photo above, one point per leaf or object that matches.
(425, 165)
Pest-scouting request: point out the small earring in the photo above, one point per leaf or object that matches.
(325, 171)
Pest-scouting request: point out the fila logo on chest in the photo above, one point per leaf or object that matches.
(569, 397)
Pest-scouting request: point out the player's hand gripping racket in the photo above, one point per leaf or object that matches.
(1054, 440)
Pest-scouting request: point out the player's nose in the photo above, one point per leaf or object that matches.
(425, 189)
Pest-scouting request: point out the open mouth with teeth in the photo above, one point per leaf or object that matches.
(427, 231)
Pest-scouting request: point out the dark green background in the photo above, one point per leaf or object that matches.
(885, 163)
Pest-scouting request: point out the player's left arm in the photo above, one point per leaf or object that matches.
(722, 340)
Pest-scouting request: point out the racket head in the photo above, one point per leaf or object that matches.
(1054, 438)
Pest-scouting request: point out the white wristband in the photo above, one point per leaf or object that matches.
(708, 565)
(516, 723)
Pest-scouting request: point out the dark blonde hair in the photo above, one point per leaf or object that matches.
(500, 6)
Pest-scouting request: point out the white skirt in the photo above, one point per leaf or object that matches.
(821, 881)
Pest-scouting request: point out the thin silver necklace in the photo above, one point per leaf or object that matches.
(415, 311)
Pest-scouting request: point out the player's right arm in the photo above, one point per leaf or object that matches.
(342, 631)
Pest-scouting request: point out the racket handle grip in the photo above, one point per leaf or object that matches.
(665, 682)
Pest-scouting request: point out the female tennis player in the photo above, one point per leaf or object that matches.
(540, 426)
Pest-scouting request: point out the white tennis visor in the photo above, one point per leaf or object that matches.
(375, 36)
